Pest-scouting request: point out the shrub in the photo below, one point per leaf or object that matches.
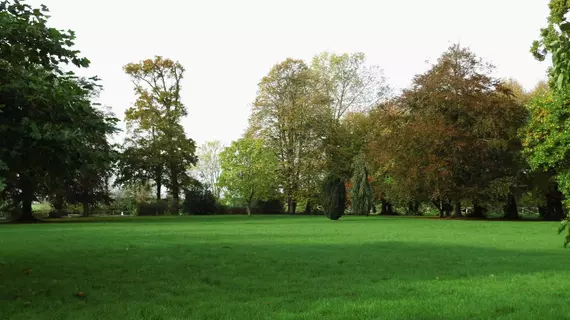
(334, 197)
(158, 208)
(199, 200)
(274, 206)
(236, 210)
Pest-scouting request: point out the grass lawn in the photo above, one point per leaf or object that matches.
(284, 268)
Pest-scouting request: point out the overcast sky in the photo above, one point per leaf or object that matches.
(228, 46)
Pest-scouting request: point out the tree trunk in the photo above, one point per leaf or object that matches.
(158, 190)
(175, 201)
(58, 204)
(510, 209)
(444, 207)
(386, 208)
(554, 210)
(457, 209)
(478, 211)
(413, 208)
(447, 208)
(438, 205)
(175, 210)
(294, 207)
(383, 207)
(85, 208)
(85, 201)
(27, 197)
(249, 204)
(308, 208)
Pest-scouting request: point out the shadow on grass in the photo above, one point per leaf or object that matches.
(232, 272)
(363, 262)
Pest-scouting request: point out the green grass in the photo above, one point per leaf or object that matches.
(284, 268)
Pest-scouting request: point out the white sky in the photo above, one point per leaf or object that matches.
(227, 46)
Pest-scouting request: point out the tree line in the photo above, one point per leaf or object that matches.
(325, 136)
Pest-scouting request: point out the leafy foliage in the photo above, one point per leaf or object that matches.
(546, 138)
(54, 135)
(248, 172)
(361, 192)
(555, 40)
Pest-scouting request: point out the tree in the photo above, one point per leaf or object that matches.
(350, 84)
(361, 192)
(352, 88)
(546, 137)
(48, 118)
(198, 200)
(456, 134)
(290, 114)
(546, 141)
(208, 167)
(248, 172)
(154, 121)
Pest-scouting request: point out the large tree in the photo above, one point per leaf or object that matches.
(154, 122)
(289, 114)
(48, 120)
(248, 172)
(458, 132)
(547, 136)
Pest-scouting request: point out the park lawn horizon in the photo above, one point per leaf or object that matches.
(284, 267)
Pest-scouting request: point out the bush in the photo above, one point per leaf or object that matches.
(268, 207)
(199, 200)
(236, 210)
(125, 205)
(57, 214)
(158, 208)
